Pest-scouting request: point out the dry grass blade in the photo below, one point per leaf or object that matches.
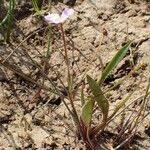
(9, 137)
(142, 108)
(120, 105)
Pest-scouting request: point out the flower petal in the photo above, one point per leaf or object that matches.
(56, 18)
(66, 13)
(53, 18)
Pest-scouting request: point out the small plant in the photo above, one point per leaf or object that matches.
(94, 100)
(97, 98)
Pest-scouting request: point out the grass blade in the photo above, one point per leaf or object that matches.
(7, 22)
(114, 62)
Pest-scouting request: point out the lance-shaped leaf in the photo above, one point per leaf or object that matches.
(98, 96)
(114, 62)
(87, 111)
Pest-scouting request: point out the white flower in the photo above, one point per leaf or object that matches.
(56, 18)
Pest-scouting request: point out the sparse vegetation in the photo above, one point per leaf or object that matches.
(42, 80)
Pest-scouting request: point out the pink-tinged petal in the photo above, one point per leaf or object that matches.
(66, 13)
(53, 18)
(56, 18)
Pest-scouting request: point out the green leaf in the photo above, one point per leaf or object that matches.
(98, 96)
(87, 111)
(7, 22)
(114, 62)
(36, 7)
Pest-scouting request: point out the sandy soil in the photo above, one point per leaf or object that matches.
(97, 29)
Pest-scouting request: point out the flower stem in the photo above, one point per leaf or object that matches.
(65, 48)
(74, 112)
